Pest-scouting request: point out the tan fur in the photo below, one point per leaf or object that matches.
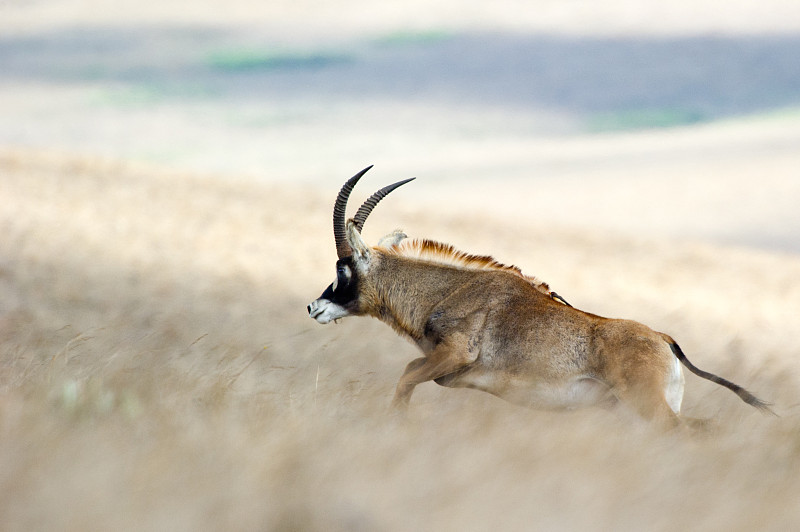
(440, 253)
(484, 325)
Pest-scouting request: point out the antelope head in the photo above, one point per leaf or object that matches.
(341, 298)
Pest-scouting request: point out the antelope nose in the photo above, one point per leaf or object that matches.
(309, 309)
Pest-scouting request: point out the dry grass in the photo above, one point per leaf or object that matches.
(159, 372)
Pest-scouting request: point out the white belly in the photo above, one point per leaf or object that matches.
(578, 392)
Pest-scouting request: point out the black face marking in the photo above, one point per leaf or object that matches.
(344, 290)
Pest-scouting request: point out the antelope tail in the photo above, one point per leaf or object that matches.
(743, 394)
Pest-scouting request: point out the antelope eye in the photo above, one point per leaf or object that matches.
(342, 276)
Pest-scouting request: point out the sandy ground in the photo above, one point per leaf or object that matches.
(166, 179)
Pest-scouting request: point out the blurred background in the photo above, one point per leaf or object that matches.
(167, 172)
(677, 120)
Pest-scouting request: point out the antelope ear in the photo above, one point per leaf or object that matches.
(360, 250)
(392, 239)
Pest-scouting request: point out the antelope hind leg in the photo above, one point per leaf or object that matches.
(646, 397)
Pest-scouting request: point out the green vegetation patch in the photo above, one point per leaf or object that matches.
(148, 94)
(250, 59)
(643, 119)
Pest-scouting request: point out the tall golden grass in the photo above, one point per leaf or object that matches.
(159, 372)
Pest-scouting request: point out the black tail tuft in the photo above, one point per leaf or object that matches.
(743, 394)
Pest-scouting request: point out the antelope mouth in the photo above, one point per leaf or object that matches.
(326, 311)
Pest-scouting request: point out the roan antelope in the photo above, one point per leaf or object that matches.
(481, 324)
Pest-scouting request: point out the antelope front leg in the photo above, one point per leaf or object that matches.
(440, 362)
(405, 387)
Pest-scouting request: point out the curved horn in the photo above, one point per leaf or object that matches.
(339, 231)
(367, 206)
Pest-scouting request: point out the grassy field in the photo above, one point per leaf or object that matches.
(159, 372)
(167, 172)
